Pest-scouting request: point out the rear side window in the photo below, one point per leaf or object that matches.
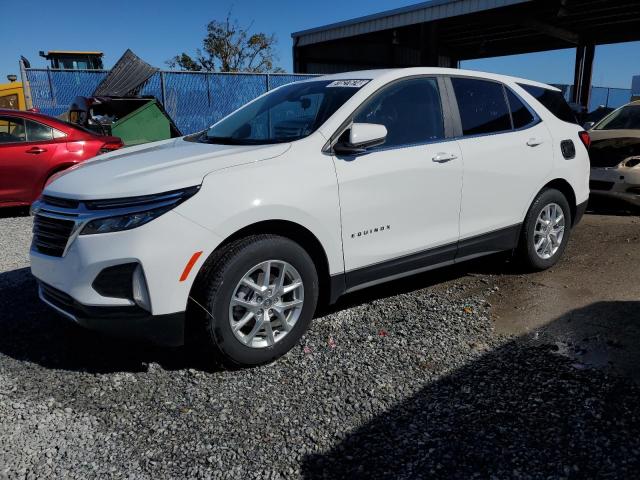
(483, 106)
(37, 132)
(410, 109)
(519, 112)
(553, 101)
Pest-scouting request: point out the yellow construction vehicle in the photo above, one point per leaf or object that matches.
(12, 94)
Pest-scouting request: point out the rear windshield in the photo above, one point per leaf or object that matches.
(625, 118)
(553, 100)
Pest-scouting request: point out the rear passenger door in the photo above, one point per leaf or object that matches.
(507, 155)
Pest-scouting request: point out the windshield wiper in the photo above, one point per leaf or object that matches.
(228, 140)
(244, 141)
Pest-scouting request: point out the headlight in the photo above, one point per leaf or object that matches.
(123, 222)
(121, 214)
(632, 162)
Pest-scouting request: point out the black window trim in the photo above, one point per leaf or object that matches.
(456, 111)
(448, 119)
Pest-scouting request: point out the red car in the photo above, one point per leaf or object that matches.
(34, 146)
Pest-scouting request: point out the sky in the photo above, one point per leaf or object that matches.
(159, 29)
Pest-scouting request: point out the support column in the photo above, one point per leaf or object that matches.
(26, 86)
(582, 75)
(429, 45)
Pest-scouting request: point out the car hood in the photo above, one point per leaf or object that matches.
(153, 168)
(611, 147)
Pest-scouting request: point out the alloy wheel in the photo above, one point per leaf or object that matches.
(266, 304)
(549, 231)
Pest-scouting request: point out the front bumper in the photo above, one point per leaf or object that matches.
(622, 183)
(162, 248)
(130, 321)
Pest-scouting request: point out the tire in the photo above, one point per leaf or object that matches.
(533, 231)
(221, 281)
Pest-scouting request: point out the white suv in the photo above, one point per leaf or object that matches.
(317, 188)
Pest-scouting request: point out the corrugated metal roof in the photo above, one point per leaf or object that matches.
(399, 17)
(126, 77)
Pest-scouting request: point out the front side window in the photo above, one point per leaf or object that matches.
(410, 110)
(482, 105)
(12, 130)
(287, 114)
(625, 118)
(37, 132)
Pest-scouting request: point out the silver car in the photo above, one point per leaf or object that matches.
(615, 154)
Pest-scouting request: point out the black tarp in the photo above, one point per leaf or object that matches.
(126, 78)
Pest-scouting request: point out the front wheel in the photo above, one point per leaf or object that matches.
(260, 294)
(546, 230)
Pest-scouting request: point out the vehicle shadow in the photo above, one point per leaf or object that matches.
(524, 410)
(29, 331)
(611, 206)
(8, 212)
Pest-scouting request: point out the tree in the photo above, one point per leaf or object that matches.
(228, 47)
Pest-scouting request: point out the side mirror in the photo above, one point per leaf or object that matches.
(361, 137)
(588, 125)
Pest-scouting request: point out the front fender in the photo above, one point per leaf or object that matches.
(302, 191)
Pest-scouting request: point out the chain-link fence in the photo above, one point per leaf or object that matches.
(194, 100)
(601, 96)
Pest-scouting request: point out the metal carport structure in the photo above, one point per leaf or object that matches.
(444, 32)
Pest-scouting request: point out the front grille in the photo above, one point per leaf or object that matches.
(57, 297)
(600, 185)
(50, 235)
(60, 202)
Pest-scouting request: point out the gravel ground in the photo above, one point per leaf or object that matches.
(393, 383)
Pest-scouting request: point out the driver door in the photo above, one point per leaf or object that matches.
(400, 202)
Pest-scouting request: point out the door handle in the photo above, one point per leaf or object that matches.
(443, 157)
(534, 142)
(36, 150)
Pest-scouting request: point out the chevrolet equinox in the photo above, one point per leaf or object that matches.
(323, 186)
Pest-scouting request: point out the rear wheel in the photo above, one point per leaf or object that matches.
(260, 294)
(546, 230)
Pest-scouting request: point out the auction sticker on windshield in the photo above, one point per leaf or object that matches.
(348, 83)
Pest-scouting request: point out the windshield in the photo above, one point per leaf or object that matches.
(288, 113)
(625, 118)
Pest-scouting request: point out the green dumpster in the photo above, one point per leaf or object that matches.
(145, 124)
(135, 120)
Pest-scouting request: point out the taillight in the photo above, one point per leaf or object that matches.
(586, 139)
(109, 147)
